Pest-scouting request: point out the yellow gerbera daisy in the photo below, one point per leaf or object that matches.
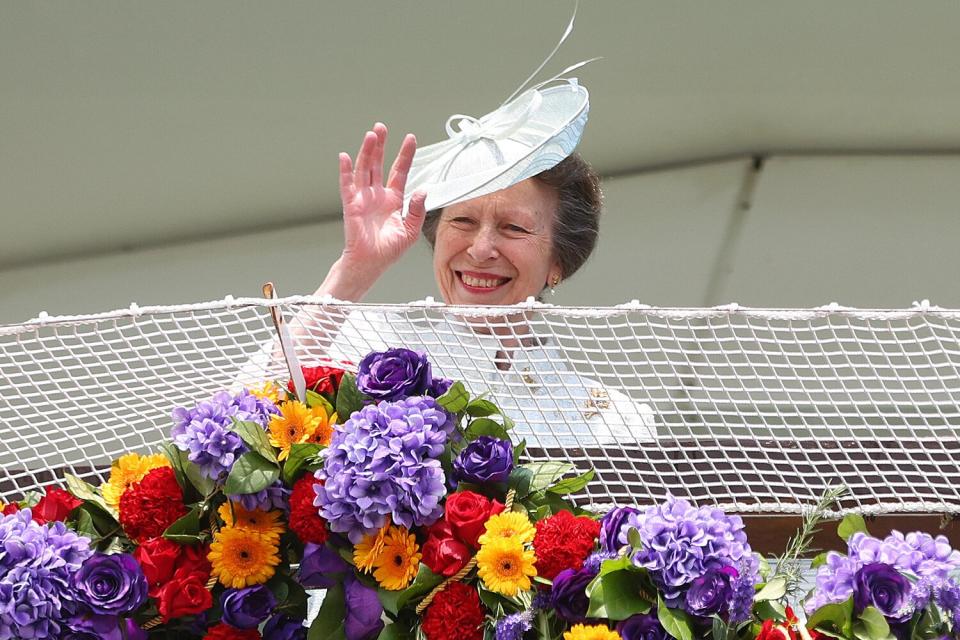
(323, 431)
(505, 566)
(591, 632)
(242, 557)
(367, 551)
(266, 523)
(508, 525)
(397, 565)
(296, 423)
(269, 390)
(126, 470)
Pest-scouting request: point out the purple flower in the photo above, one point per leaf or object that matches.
(614, 527)
(569, 594)
(710, 593)
(247, 608)
(681, 543)
(364, 611)
(321, 567)
(439, 386)
(834, 581)
(283, 627)
(205, 434)
(880, 585)
(394, 374)
(111, 585)
(36, 566)
(385, 461)
(917, 552)
(741, 603)
(594, 560)
(642, 626)
(276, 496)
(486, 459)
(513, 626)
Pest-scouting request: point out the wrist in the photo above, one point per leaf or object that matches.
(348, 279)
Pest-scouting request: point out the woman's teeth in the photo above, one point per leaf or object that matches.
(484, 283)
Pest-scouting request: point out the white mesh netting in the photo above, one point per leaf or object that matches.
(755, 410)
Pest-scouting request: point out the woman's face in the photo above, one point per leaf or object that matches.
(497, 249)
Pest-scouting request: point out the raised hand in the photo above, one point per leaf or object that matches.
(375, 232)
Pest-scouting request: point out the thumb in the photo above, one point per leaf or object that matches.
(416, 213)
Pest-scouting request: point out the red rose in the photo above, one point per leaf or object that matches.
(224, 631)
(444, 554)
(13, 507)
(455, 614)
(160, 559)
(467, 512)
(305, 520)
(185, 594)
(55, 506)
(148, 507)
(563, 541)
(320, 379)
(773, 631)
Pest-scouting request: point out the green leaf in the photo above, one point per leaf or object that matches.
(204, 485)
(720, 629)
(177, 458)
(83, 523)
(86, 492)
(251, 473)
(773, 590)
(314, 399)
(546, 473)
(328, 625)
(572, 485)
(519, 481)
(255, 438)
(633, 537)
(676, 622)
(185, 530)
(302, 454)
(871, 625)
(836, 617)
(850, 525)
(455, 399)
(618, 596)
(770, 610)
(426, 580)
(518, 450)
(349, 398)
(617, 564)
(819, 559)
(480, 408)
(486, 427)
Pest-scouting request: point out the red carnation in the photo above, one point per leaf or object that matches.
(305, 520)
(454, 614)
(148, 507)
(8, 509)
(55, 506)
(224, 631)
(563, 541)
(320, 379)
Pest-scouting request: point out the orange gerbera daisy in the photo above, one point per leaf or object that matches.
(242, 557)
(266, 523)
(299, 423)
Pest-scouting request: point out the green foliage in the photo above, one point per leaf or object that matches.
(349, 398)
(394, 601)
(186, 530)
(486, 427)
(255, 438)
(850, 525)
(834, 619)
(572, 485)
(455, 399)
(676, 622)
(251, 473)
(314, 399)
(772, 590)
(328, 625)
(618, 594)
(303, 457)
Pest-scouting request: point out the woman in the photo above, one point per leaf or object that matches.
(500, 248)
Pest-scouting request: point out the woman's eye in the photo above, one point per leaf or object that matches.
(461, 220)
(516, 228)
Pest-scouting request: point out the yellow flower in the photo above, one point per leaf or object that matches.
(298, 423)
(242, 557)
(367, 551)
(266, 523)
(592, 632)
(269, 390)
(397, 565)
(505, 566)
(508, 525)
(126, 470)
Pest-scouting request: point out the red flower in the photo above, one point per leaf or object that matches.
(13, 507)
(563, 541)
(185, 594)
(160, 559)
(455, 614)
(305, 520)
(467, 512)
(320, 379)
(443, 553)
(773, 631)
(224, 631)
(148, 507)
(55, 506)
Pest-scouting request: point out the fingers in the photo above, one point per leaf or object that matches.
(365, 159)
(376, 169)
(416, 213)
(346, 177)
(397, 180)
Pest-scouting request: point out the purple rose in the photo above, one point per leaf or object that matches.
(111, 585)
(247, 608)
(710, 593)
(569, 594)
(614, 527)
(283, 627)
(364, 611)
(486, 459)
(439, 386)
(320, 567)
(394, 374)
(642, 626)
(880, 585)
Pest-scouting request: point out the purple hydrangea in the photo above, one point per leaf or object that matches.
(274, 497)
(204, 432)
(834, 581)
(513, 626)
(682, 543)
(385, 461)
(36, 566)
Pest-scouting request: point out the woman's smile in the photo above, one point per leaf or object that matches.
(478, 282)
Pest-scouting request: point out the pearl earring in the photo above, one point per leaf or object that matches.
(553, 286)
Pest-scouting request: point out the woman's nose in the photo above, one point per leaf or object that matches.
(483, 247)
